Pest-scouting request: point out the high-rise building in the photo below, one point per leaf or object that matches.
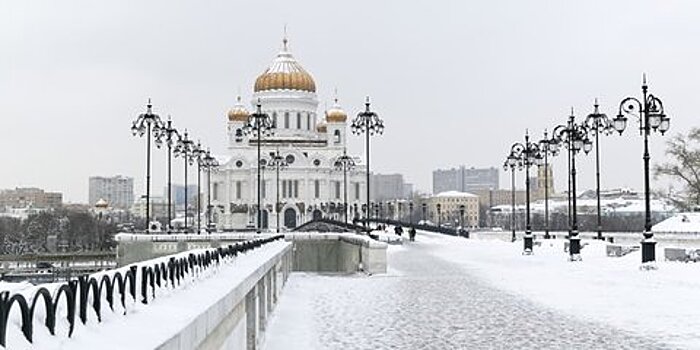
(384, 187)
(464, 179)
(118, 191)
(30, 196)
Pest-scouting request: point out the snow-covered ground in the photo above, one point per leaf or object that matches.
(445, 292)
(664, 304)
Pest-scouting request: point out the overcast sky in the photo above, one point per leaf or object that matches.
(457, 82)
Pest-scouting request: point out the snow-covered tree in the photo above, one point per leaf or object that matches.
(683, 151)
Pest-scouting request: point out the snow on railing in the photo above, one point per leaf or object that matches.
(91, 291)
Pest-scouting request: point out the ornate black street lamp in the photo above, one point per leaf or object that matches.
(279, 163)
(186, 149)
(650, 113)
(144, 124)
(209, 163)
(369, 123)
(424, 206)
(527, 154)
(170, 136)
(410, 213)
(199, 154)
(345, 163)
(547, 147)
(576, 137)
(512, 164)
(261, 124)
(598, 123)
(461, 216)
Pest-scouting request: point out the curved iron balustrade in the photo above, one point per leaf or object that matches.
(76, 293)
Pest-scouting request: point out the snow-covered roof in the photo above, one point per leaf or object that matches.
(455, 194)
(681, 222)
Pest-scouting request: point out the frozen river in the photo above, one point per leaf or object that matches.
(425, 302)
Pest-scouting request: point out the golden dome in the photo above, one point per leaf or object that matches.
(238, 113)
(322, 127)
(336, 114)
(285, 73)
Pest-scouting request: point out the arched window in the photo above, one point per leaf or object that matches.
(298, 120)
(274, 119)
(308, 121)
(286, 120)
(336, 135)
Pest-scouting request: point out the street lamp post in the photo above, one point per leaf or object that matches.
(210, 163)
(345, 163)
(650, 113)
(511, 165)
(278, 162)
(461, 216)
(576, 136)
(369, 123)
(424, 206)
(598, 123)
(260, 124)
(199, 154)
(168, 135)
(410, 213)
(547, 147)
(186, 149)
(144, 124)
(526, 155)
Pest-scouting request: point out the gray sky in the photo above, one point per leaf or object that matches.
(457, 82)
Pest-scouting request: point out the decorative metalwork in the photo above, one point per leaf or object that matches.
(649, 112)
(169, 136)
(369, 123)
(260, 124)
(144, 125)
(345, 163)
(90, 292)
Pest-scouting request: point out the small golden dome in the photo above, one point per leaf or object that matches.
(322, 127)
(238, 113)
(285, 73)
(336, 114)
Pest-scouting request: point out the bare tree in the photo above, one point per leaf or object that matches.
(683, 151)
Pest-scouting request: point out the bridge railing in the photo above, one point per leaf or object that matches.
(429, 228)
(139, 283)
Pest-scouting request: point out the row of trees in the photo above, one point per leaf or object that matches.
(59, 229)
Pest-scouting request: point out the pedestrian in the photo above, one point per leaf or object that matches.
(412, 234)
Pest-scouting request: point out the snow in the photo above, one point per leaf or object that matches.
(453, 194)
(147, 326)
(662, 303)
(445, 292)
(679, 223)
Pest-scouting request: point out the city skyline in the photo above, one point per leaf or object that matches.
(466, 79)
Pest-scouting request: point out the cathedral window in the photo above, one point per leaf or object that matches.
(274, 119)
(238, 190)
(308, 121)
(336, 134)
(357, 190)
(296, 188)
(317, 188)
(286, 120)
(215, 190)
(337, 189)
(284, 189)
(298, 120)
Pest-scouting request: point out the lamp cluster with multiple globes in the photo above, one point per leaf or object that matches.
(576, 137)
(179, 145)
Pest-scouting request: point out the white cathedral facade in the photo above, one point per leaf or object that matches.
(309, 186)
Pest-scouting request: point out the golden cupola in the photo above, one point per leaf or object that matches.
(238, 113)
(336, 114)
(285, 73)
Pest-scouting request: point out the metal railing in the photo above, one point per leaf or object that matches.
(76, 293)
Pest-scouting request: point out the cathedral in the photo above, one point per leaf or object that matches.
(309, 186)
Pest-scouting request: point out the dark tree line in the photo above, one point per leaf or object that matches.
(64, 230)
